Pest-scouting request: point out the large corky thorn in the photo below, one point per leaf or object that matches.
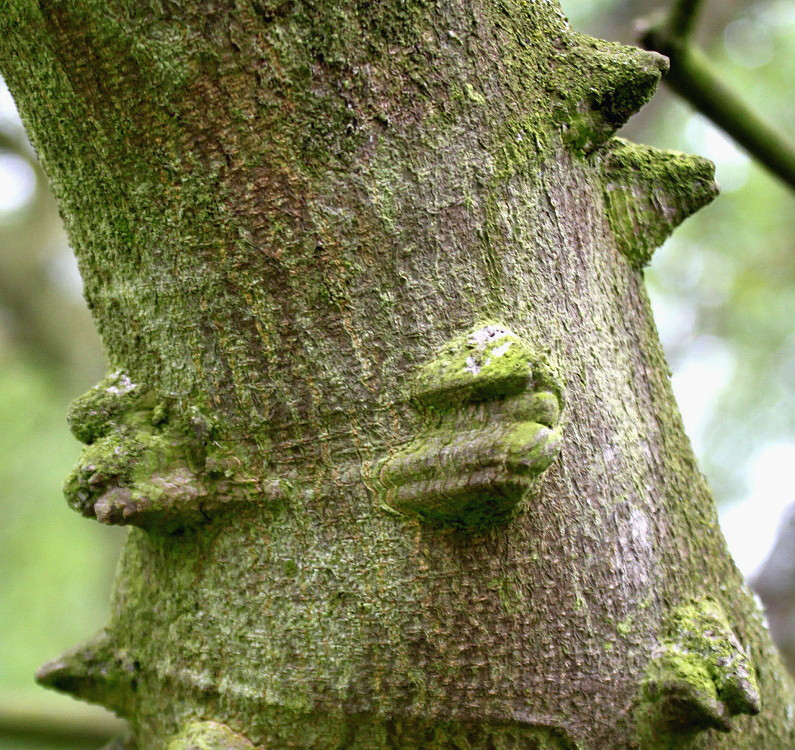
(490, 412)
(599, 86)
(698, 678)
(147, 465)
(649, 192)
(136, 466)
(95, 672)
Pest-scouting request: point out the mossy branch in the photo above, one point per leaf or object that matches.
(692, 77)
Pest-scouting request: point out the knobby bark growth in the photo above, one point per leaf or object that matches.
(387, 415)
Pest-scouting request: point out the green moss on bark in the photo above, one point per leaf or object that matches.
(697, 680)
(489, 411)
(650, 192)
(282, 211)
(209, 735)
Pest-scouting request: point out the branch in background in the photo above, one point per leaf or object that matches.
(8, 143)
(683, 18)
(693, 78)
(25, 723)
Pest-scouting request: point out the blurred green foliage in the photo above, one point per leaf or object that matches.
(38, 534)
(56, 569)
(723, 291)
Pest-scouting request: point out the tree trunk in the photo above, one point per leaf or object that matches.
(389, 416)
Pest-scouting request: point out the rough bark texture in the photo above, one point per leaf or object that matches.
(284, 211)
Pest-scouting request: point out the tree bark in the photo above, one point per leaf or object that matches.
(388, 414)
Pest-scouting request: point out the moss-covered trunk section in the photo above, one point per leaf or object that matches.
(388, 415)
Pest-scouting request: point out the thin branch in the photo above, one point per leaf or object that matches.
(683, 18)
(46, 724)
(694, 79)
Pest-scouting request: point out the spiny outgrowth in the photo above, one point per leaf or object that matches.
(92, 415)
(698, 678)
(649, 192)
(152, 465)
(96, 672)
(208, 735)
(137, 468)
(598, 86)
(149, 464)
(490, 410)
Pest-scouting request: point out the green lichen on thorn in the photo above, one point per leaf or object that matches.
(649, 192)
(490, 411)
(598, 86)
(138, 467)
(96, 671)
(488, 363)
(699, 678)
(91, 415)
(148, 465)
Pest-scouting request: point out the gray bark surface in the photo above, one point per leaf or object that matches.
(284, 212)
